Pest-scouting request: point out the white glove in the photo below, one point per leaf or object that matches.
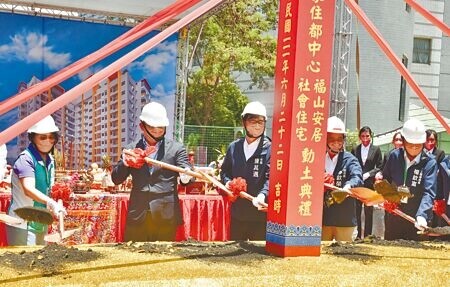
(347, 187)
(379, 176)
(55, 207)
(184, 177)
(123, 158)
(421, 223)
(366, 176)
(259, 200)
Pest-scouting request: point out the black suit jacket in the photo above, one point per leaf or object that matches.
(158, 181)
(438, 154)
(373, 164)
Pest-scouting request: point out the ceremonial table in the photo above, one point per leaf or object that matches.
(5, 199)
(206, 218)
(102, 217)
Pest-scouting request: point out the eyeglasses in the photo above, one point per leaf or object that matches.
(155, 128)
(255, 122)
(50, 137)
(398, 140)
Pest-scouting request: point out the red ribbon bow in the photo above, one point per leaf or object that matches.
(439, 206)
(237, 185)
(138, 159)
(390, 206)
(328, 178)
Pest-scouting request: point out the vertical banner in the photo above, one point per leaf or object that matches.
(301, 105)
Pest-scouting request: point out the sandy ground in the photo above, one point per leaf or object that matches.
(366, 263)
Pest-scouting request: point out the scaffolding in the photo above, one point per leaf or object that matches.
(182, 75)
(341, 59)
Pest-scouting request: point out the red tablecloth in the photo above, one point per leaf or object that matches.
(206, 218)
(102, 218)
(5, 199)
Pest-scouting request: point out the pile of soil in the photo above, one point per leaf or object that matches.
(48, 260)
(195, 263)
(197, 249)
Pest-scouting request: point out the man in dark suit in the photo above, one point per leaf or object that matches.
(371, 161)
(153, 212)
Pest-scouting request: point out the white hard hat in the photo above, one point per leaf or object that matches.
(414, 131)
(154, 114)
(44, 126)
(335, 125)
(255, 108)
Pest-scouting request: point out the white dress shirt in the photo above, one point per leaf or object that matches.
(249, 149)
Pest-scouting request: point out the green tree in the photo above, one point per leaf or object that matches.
(351, 139)
(237, 39)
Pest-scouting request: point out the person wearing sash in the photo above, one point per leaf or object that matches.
(32, 178)
(413, 171)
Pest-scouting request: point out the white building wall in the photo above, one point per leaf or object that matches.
(428, 75)
(444, 75)
(379, 81)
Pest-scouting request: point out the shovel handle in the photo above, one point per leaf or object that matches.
(220, 185)
(201, 175)
(445, 217)
(172, 167)
(413, 221)
(61, 219)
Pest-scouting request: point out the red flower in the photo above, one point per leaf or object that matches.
(237, 185)
(138, 159)
(61, 190)
(439, 206)
(328, 178)
(390, 206)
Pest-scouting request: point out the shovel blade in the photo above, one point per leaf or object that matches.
(35, 214)
(367, 196)
(57, 237)
(437, 231)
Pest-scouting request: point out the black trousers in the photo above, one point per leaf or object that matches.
(161, 220)
(368, 221)
(150, 230)
(399, 228)
(247, 230)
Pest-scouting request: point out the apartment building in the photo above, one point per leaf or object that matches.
(99, 123)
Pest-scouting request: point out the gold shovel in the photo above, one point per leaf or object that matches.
(57, 237)
(365, 195)
(36, 214)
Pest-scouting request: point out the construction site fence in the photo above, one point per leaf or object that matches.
(209, 143)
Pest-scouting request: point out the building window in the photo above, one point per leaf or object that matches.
(422, 51)
(408, 8)
(402, 103)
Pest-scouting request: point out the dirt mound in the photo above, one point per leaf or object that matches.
(195, 263)
(49, 259)
(196, 249)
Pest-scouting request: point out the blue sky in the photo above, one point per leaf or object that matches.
(39, 46)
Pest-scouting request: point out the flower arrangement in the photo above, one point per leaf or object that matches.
(136, 157)
(237, 185)
(390, 206)
(439, 207)
(62, 190)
